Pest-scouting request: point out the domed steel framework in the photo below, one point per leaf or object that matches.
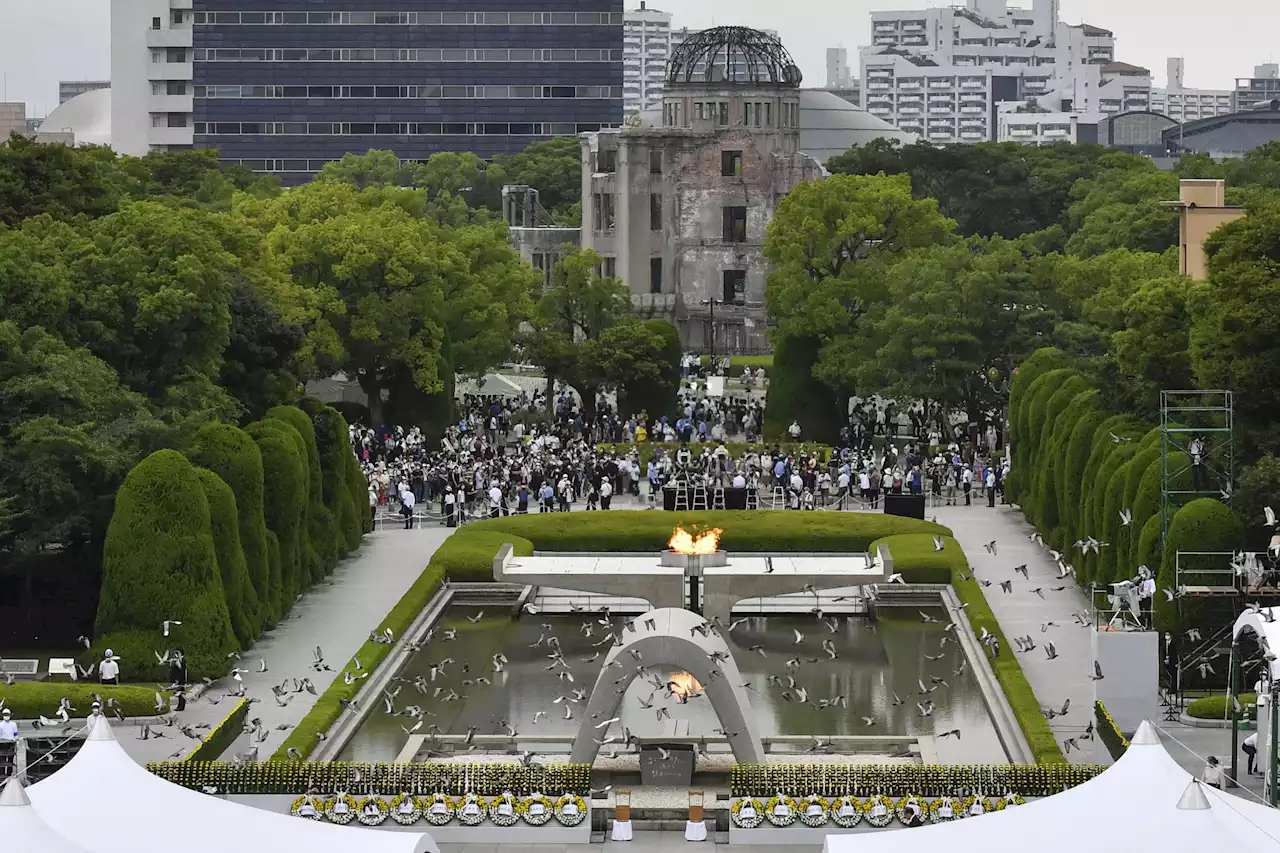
(733, 55)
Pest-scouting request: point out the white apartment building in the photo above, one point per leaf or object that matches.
(1182, 104)
(967, 59)
(1015, 123)
(152, 93)
(646, 47)
(838, 74)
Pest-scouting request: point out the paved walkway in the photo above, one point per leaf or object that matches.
(336, 615)
(1022, 612)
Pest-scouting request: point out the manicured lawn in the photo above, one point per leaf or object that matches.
(30, 699)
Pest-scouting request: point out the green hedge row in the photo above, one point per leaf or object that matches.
(222, 736)
(30, 699)
(1077, 467)
(915, 557)
(224, 538)
(1215, 707)
(467, 555)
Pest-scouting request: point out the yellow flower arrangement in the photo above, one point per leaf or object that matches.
(314, 810)
(472, 809)
(372, 811)
(340, 809)
(403, 816)
(571, 816)
(945, 808)
(880, 810)
(1009, 799)
(908, 816)
(812, 817)
(438, 809)
(536, 809)
(504, 810)
(846, 811)
(746, 813)
(780, 810)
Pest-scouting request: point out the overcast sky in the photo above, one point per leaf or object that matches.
(44, 41)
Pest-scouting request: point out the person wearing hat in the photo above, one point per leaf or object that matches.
(8, 728)
(108, 669)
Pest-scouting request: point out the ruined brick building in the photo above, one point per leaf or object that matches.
(679, 210)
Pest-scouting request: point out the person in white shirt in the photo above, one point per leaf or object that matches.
(606, 493)
(739, 481)
(108, 669)
(8, 728)
(1212, 775)
(1146, 594)
(407, 502)
(450, 507)
(794, 430)
(495, 500)
(1250, 748)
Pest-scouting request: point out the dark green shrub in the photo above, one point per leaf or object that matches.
(276, 572)
(1097, 527)
(794, 394)
(1075, 461)
(1107, 566)
(159, 563)
(285, 482)
(1148, 553)
(219, 739)
(1215, 707)
(1204, 524)
(333, 442)
(1039, 362)
(469, 557)
(916, 559)
(657, 396)
(358, 486)
(1103, 446)
(1109, 733)
(320, 521)
(1146, 500)
(1053, 437)
(29, 700)
(240, 596)
(1041, 391)
(232, 454)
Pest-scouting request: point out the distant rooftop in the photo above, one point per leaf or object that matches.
(1091, 30)
(1124, 68)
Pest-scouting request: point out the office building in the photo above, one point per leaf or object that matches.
(290, 89)
(68, 89)
(646, 47)
(1182, 104)
(1260, 90)
(1202, 209)
(941, 72)
(13, 119)
(1016, 123)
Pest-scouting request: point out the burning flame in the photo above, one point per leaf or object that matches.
(684, 686)
(683, 542)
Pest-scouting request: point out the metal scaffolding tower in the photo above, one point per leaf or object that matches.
(1197, 450)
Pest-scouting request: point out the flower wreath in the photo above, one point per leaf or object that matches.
(536, 809)
(400, 815)
(952, 806)
(753, 816)
(346, 814)
(967, 805)
(379, 816)
(882, 817)
(316, 803)
(846, 817)
(1009, 799)
(787, 816)
(900, 809)
(577, 816)
(438, 809)
(501, 816)
(469, 817)
(810, 817)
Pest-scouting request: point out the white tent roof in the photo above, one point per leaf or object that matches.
(103, 787)
(21, 827)
(1265, 627)
(1145, 801)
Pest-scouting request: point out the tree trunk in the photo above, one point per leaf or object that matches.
(372, 388)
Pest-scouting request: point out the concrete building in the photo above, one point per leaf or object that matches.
(13, 119)
(838, 74)
(1182, 104)
(646, 47)
(289, 89)
(1202, 209)
(152, 106)
(851, 93)
(1015, 123)
(1260, 90)
(1139, 132)
(679, 211)
(68, 89)
(940, 72)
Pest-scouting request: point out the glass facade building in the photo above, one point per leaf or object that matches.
(285, 86)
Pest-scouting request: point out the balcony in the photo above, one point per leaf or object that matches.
(973, 84)
(909, 111)
(879, 86)
(879, 73)
(942, 84)
(942, 134)
(972, 135)
(1056, 133)
(171, 135)
(163, 71)
(1021, 132)
(181, 37)
(913, 26)
(885, 40)
(885, 26)
(171, 104)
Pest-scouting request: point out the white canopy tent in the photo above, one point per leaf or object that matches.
(1146, 801)
(105, 803)
(21, 827)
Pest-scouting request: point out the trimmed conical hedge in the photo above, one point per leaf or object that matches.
(159, 564)
(285, 502)
(321, 533)
(232, 454)
(1205, 525)
(238, 591)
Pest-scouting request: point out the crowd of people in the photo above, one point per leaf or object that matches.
(518, 455)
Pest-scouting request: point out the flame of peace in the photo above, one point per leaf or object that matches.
(684, 542)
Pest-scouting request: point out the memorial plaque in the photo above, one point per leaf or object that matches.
(674, 771)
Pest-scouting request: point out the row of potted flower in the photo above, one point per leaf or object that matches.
(848, 811)
(1030, 780)
(438, 809)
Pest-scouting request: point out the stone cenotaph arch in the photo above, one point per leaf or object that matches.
(666, 637)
